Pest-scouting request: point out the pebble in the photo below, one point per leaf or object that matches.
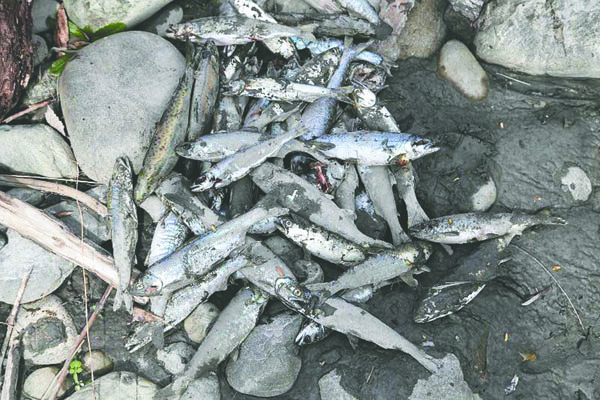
(99, 13)
(577, 183)
(40, 49)
(97, 361)
(458, 65)
(158, 24)
(204, 388)
(331, 389)
(117, 112)
(38, 381)
(541, 38)
(424, 31)
(175, 356)
(270, 346)
(469, 8)
(197, 324)
(485, 197)
(36, 149)
(21, 255)
(47, 330)
(41, 11)
(117, 386)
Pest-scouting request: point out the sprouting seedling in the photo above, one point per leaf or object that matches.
(75, 368)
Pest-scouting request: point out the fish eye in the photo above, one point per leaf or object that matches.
(206, 54)
(288, 223)
(297, 292)
(185, 146)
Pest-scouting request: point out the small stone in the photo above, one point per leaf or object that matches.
(117, 386)
(39, 380)
(154, 207)
(175, 356)
(270, 346)
(458, 65)
(42, 11)
(20, 255)
(469, 8)
(331, 389)
(424, 31)
(117, 112)
(40, 49)
(99, 13)
(36, 149)
(577, 183)
(47, 330)
(204, 388)
(197, 324)
(158, 24)
(485, 197)
(97, 361)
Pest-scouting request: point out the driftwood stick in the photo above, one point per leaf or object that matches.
(10, 322)
(63, 190)
(29, 109)
(56, 237)
(62, 374)
(11, 376)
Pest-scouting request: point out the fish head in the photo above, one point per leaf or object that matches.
(147, 285)
(363, 97)
(185, 149)
(284, 224)
(205, 182)
(421, 146)
(180, 31)
(310, 332)
(293, 295)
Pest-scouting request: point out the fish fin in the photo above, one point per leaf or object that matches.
(342, 94)
(320, 145)
(409, 280)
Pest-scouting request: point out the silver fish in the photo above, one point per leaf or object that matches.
(339, 25)
(311, 332)
(205, 92)
(321, 45)
(218, 146)
(123, 222)
(374, 148)
(307, 201)
(228, 114)
(226, 30)
(472, 227)
(320, 242)
(170, 233)
(361, 8)
(345, 192)
(455, 296)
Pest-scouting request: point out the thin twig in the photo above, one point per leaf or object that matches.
(513, 79)
(29, 109)
(10, 322)
(557, 284)
(46, 178)
(11, 376)
(62, 374)
(57, 188)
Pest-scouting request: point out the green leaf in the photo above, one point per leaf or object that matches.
(75, 31)
(107, 30)
(59, 65)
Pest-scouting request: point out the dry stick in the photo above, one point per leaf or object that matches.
(63, 190)
(55, 236)
(11, 377)
(557, 284)
(46, 178)
(13, 316)
(62, 374)
(28, 110)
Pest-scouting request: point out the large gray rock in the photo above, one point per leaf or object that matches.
(558, 38)
(158, 24)
(47, 331)
(21, 255)
(271, 348)
(99, 13)
(460, 67)
(36, 149)
(112, 96)
(206, 388)
(424, 31)
(42, 11)
(117, 386)
(331, 388)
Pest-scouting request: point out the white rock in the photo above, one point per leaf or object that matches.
(99, 13)
(577, 183)
(39, 380)
(485, 197)
(36, 149)
(41, 11)
(117, 386)
(331, 389)
(198, 323)
(47, 330)
(40, 49)
(424, 31)
(110, 113)
(460, 67)
(158, 24)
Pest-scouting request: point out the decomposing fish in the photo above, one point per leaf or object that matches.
(336, 25)
(170, 233)
(227, 30)
(123, 224)
(345, 192)
(218, 146)
(472, 227)
(361, 8)
(456, 295)
(205, 91)
(320, 242)
(311, 332)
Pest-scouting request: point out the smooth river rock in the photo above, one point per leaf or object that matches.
(99, 13)
(458, 65)
(112, 96)
(39, 380)
(36, 149)
(424, 31)
(558, 38)
(268, 363)
(117, 386)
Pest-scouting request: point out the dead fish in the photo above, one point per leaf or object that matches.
(471, 227)
(320, 242)
(307, 201)
(455, 296)
(205, 91)
(373, 148)
(227, 30)
(161, 158)
(123, 222)
(311, 332)
(218, 146)
(380, 267)
(169, 235)
(361, 8)
(345, 193)
(336, 25)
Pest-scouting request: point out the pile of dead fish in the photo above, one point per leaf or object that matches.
(272, 131)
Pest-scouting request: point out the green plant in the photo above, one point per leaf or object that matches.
(75, 367)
